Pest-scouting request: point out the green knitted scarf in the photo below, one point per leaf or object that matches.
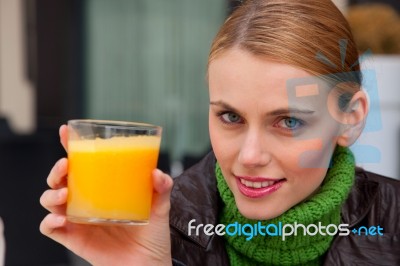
(324, 207)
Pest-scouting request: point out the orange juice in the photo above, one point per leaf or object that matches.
(110, 179)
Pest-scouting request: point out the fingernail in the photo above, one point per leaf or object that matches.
(61, 194)
(60, 220)
(158, 171)
(60, 165)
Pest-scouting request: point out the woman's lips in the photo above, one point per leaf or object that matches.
(256, 187)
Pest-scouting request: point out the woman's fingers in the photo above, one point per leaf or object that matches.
(58, 174)
(54, 200)
(51, 225)
(64, 136)
(161, 200)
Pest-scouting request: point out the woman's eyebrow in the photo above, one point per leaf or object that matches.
(224, 105)
(288, 111)
(281, 111)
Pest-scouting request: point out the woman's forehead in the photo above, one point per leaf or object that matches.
(238, 64)
(237, 73)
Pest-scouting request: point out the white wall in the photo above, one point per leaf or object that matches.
(386, 136)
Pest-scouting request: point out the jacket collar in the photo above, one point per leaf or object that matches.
(361, 198)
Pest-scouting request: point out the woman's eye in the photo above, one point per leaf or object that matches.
(230, 117)
(290, 123)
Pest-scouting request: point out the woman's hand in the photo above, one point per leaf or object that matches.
(108, 245)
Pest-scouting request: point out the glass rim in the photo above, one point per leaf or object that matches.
(113, 123)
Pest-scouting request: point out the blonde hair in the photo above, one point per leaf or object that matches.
(294, 32)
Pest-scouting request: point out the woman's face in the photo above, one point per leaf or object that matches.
(273, 148)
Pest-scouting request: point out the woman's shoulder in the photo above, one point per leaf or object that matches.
(198, 178)
(384, 181)
(372, 214)
(383, 192)
(374, 198)
(195, 204)
(194, 194)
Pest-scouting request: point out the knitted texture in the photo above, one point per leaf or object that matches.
(324, 207)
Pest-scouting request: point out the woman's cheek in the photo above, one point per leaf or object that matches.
(310, 154)
(220, 146)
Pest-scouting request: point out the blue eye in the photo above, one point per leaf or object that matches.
(230, 117)
(290, 123)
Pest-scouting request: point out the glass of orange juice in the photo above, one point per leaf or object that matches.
(109, 171)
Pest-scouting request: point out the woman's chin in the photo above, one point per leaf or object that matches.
(258, 215)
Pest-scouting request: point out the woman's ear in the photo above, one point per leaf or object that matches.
(354, 118)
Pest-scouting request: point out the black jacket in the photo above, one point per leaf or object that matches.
(374, 200)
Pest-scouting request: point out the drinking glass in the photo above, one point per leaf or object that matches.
(110, 171)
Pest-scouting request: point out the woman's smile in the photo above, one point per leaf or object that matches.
(257, 187)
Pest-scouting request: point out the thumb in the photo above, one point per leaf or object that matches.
(162, 184)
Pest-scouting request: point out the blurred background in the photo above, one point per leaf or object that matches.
(145, 61)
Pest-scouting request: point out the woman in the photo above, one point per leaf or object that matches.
(285, 103)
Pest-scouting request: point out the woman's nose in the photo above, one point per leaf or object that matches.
(253, 152)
